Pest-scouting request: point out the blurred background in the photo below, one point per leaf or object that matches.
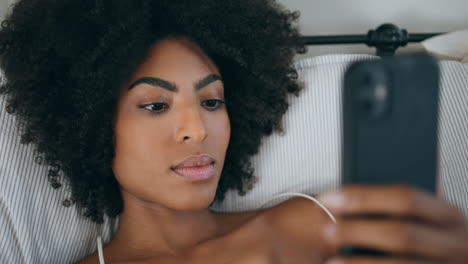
(334, 17)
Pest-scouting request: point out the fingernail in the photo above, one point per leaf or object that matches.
(333, 200)
(329, 231)
(334, 261)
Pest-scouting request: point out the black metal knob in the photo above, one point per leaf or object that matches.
(387, 38)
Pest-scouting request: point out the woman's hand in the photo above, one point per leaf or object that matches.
(416, 227)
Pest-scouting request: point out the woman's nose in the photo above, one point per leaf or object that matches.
(190, 127)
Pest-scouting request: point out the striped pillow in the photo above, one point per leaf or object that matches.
(34, 225)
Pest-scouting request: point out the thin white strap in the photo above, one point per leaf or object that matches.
(101, 255)
(301, 195)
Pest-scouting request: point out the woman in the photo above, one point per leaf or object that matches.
(151, 109)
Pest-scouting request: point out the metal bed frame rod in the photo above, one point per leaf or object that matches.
(387, 38)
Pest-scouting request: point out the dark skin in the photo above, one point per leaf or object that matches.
(166, 219)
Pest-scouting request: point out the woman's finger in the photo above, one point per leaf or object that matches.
(401, 238)
(392, 200)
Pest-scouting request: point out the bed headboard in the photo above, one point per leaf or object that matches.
(344, 17)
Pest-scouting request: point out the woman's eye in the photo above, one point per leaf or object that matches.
(213, 103)
(155, 107)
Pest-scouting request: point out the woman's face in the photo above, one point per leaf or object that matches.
(170, 111)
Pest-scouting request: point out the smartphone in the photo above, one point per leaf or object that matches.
(390, 128)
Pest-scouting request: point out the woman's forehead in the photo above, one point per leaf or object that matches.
(175, 58)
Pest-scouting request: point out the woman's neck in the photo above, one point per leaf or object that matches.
(147, 228)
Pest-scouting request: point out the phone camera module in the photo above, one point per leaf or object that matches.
(373, 94)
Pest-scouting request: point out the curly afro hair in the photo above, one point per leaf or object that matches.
(64, 62)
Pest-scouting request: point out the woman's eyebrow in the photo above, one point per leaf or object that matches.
(157, 82)
(153, 81)
(207, 80)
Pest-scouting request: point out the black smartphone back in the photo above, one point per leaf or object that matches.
(390, 113)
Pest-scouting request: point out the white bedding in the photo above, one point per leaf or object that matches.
(450, 46)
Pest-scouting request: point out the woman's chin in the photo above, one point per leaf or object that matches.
(193, 203)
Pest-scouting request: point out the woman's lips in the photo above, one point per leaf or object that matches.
(196, 168)
(196, 173)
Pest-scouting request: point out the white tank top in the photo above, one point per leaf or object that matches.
(99, 240)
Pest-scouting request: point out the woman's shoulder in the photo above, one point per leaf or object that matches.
(296, 225)
(295, 210)
(286, 233)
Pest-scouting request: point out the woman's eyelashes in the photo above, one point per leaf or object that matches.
(160, 107)
(155, 107)
(212, 104)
